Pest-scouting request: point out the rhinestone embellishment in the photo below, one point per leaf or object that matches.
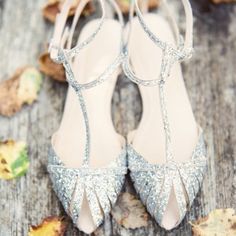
(100, 186)
(154, 182)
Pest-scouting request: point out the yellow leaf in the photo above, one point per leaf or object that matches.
(51, 226)
(13, 159)
(220, 222)
(30, 83)
(22, 88)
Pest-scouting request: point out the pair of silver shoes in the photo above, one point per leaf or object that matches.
(153, 182)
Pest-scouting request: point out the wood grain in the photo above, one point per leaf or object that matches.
(211, 82)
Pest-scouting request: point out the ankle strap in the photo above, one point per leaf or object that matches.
(57, 44)
(61, 35)
(171, 54)
(188, 42)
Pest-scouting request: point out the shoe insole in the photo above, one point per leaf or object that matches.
(69, 141)
(149, 138)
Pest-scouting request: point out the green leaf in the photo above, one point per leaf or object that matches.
(14, 160)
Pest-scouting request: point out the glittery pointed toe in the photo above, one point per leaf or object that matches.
(100, 186)
(154, 182)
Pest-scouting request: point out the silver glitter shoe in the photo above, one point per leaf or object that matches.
(167, 179)
(86, 189)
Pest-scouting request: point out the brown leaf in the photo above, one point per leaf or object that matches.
(21, 88)
(51, 226)
(223, 1)
(129, 212)
(124, 5)
(53, 7)
(220, 222)
(50, 68)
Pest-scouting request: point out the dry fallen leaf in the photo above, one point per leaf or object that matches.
(21, 89)
(53, 7)
(220, 222)
(124, 5)
(14, 161)
(223, 1)
(129, 212)
(50, 68)
(51, 226)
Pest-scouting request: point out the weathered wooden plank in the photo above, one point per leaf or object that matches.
(211, 83)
